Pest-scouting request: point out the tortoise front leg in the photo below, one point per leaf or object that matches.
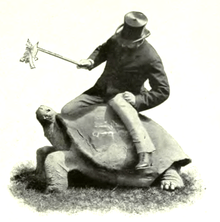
(41, 155)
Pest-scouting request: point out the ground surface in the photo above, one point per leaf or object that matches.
(101, 198)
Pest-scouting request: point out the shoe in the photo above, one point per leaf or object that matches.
(144, 161)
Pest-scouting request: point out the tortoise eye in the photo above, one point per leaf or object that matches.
(48, 110)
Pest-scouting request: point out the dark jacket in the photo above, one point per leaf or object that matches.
(127, 70)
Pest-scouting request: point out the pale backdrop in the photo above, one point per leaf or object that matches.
(186, 35)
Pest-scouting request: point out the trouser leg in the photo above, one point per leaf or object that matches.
(130, 118)
(80, 102)
(57, 166)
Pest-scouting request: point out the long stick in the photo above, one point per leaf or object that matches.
(57, 55)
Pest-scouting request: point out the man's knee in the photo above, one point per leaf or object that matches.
(117, 100)
(71, 107)
(66, 109)
(120, 105)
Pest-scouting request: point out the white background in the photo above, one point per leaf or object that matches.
(185, 34)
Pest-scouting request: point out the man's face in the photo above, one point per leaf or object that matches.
(133, 45)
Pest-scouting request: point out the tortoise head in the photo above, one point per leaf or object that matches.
(45, 115)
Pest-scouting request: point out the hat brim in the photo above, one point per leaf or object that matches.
(124, 41)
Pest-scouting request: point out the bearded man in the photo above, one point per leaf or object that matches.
(130, 62)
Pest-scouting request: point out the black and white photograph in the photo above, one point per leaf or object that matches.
(109, 110)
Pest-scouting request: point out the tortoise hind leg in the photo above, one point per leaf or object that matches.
(171, 179)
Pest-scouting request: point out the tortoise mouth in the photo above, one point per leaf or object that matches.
(48, 117)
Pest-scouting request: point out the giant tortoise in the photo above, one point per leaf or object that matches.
(96, 143)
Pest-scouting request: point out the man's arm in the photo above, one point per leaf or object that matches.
(160, 89)
(98, 56)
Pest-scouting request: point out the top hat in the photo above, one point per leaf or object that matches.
(133, 29)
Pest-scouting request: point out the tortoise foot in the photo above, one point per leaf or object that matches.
(171, 180)
(40, 175)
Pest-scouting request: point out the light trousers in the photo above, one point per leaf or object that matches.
(127, 113)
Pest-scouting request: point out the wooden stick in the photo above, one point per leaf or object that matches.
(58, 56)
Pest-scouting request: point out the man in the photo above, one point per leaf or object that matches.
(130, 61)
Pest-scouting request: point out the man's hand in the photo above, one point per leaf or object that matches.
(129, 97)
(85, 64)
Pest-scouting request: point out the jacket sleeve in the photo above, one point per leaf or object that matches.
(160, 89)
(99, 55)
